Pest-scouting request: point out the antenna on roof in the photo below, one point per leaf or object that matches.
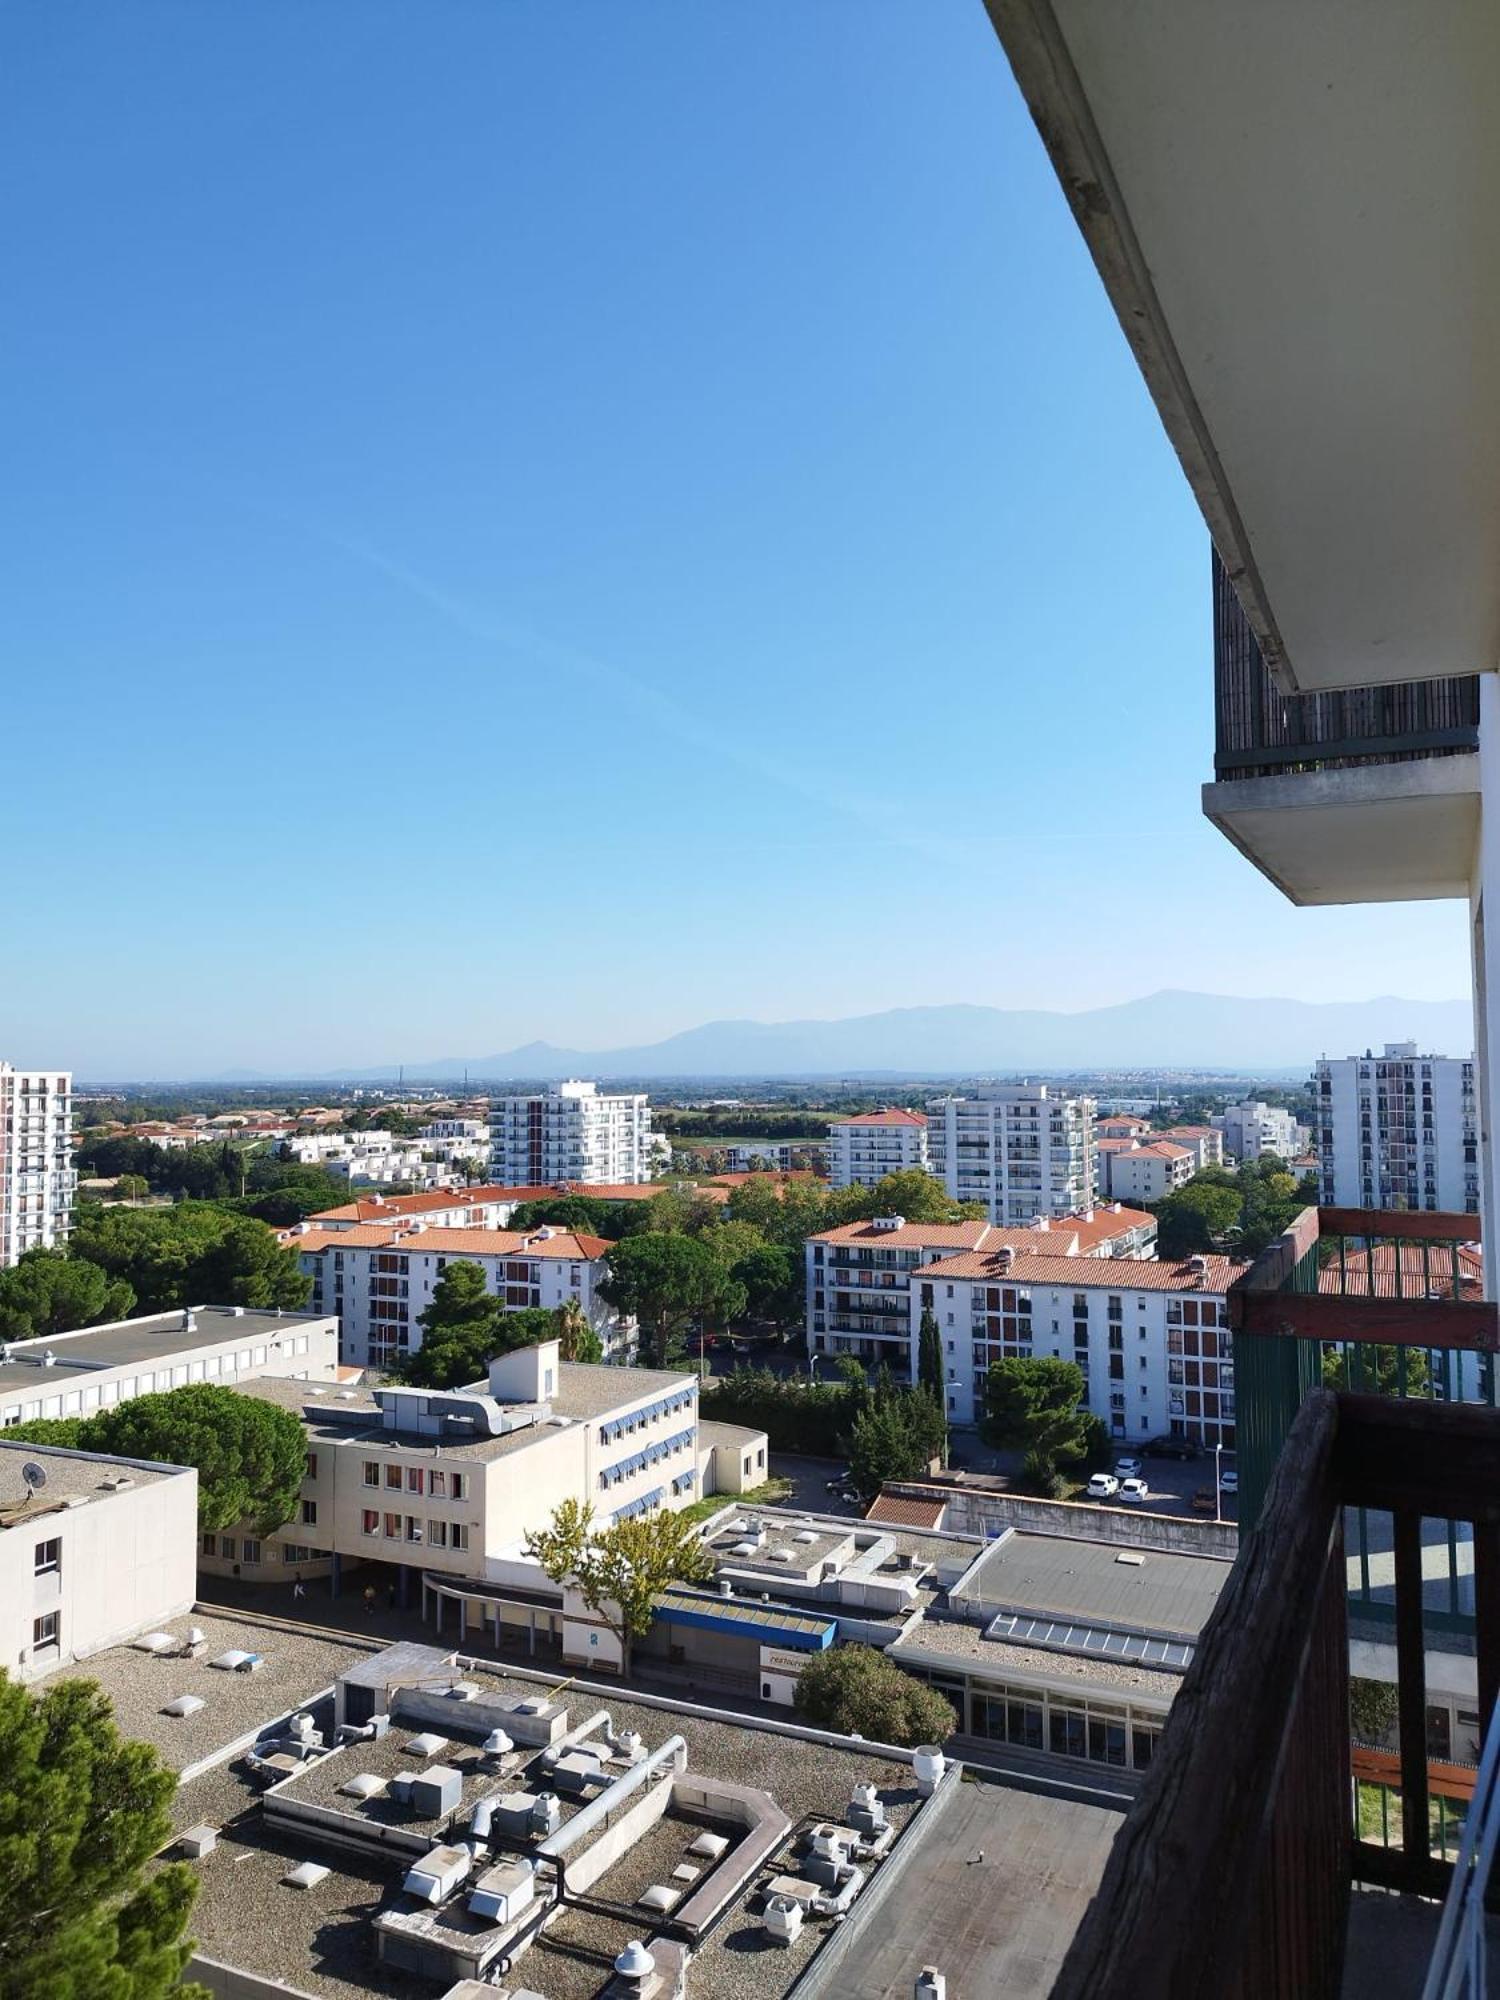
(34, 1477)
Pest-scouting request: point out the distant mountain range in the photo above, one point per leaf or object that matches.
(1175, 1030)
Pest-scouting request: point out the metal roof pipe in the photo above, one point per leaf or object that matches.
(557, 1845)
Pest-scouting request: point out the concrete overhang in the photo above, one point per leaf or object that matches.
(1292, 209)
(1377, 833)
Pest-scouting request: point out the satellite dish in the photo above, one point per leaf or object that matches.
(34, 1475)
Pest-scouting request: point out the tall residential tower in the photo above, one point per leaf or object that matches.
(1020, 1148)
(1397, 1131)
(37, 1176)
(569, 1132)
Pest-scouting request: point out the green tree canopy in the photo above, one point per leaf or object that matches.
(621, 1570)
(857, 1690)
(667, 1282)
(911, 1193)
(1199, 1217)
(50, 1292)
(193, 1254)
(1032, 1405)
(465, 1326)
(774, 1284)
(81, 1813)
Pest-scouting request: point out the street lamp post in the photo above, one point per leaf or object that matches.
(1218, 1488)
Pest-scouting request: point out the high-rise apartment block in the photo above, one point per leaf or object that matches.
(1397, 1131)
(1021, 1149)
(570, 1132)
(864, 1150)
(37, 1175)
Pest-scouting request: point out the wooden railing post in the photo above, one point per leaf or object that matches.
(1411, 1677)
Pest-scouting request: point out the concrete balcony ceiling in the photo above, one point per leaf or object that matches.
(1292, 209)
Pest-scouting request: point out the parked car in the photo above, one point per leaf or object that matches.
(1134, 1489)
(1229, 1482)
(1103, 1486)
(1128, 1468)
(1173, 1447)
(1204, 1502)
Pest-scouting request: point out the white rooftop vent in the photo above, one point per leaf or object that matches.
(306, 1875)
(779, 1556)
(743, 1549)
(635, 1962)
(154, 1642)
(782, 1919)
(497, 1744)
(462, 1691)
(1131, 1558)
(427, 1744)
(365, 1786)
(235, 1661)
(185, 1704)
(708, 1846)
(804, 1535)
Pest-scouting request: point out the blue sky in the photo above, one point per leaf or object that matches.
(543, 518)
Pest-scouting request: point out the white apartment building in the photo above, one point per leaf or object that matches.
(1252, 1128)
(469, 1130)
(1204, 1142)
(380, 1279)
(1129, 1171)
(571, 1132)
(1152, 1339)
(76, 1374)
(865, 1149)
(439, 1208)
(93, 1552)
(1399, 1130)
(37, 1175)
(1021, 1149)
(859, 1275)
(446, 1483)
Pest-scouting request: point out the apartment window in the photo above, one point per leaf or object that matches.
(312, 1465)
(210, 1544)
(437, 1534)
(47, 1560)
(250, 1552)
(44, 1631)
(227, 1547)
(460, 1484)
(415, 1479)
(372, 1472)
(458, 1536)
(309, 1513)
(393, 1478)
(393, 1527)
(369, 1521)
(413, 1528)
(437, 1484)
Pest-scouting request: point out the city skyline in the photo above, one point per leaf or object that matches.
(574, 572)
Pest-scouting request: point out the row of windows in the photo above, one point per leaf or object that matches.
(249, 1549)
(409, 1528)
(436, 1481)
(73, 1402)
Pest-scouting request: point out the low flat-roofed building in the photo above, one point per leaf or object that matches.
(75, 1374)
(433, 1841)
(1065, 1646)
(93, 1551)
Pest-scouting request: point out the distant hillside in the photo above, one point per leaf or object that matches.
(1162, 1030)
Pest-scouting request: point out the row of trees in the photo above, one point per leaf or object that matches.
(265, 1184)
(124, 1260)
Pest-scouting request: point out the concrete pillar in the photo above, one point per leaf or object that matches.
(403, 1586)
(463, 1618)
(336, 1576)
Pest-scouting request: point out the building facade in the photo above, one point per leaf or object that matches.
(570, 1132)
(380, 1279)
(859, 1275)
(94, 1551)
(1399, 1130)
(37, 1176)
(1152, 1338)
(1253, 1128)
(864, 1150)
(1149, 1172)
(77, 1374)
(1020, 1149)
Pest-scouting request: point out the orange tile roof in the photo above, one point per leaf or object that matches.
(1089, 1273)
(1353, 1278)
(1163, 1149)
(562, 1243)
(911, 1235)
(388, 1207)
(884, 1118)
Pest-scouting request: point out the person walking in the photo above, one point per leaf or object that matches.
(299, 1589)
(369, 1600)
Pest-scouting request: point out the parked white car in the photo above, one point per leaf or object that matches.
(1103, 1486)
(1229, 1482)
(1134, 1489)
(1127, 1467)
